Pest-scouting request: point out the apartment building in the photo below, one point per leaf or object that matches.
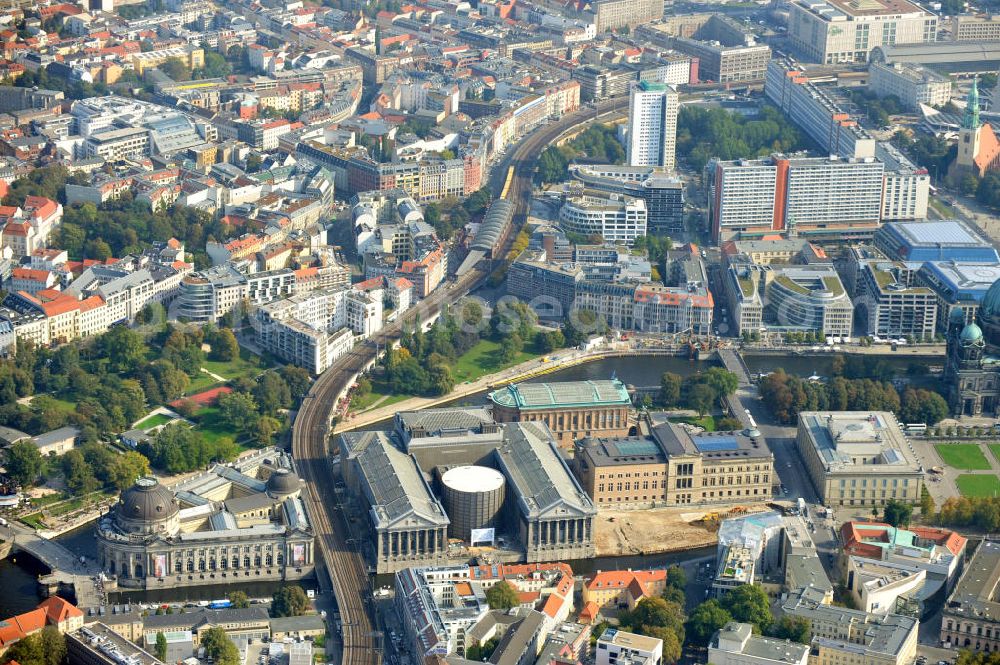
(853, 637)
(614, 14)
(618, 646)
(858, 458)
(838, 31)
(829, 199)
(971, 617)
(913, 84)
(735, 644)
(652, 125)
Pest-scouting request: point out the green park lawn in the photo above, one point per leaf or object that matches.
(968, 456)
(995, 451)
(975, 485)
(379, 391)
(944, 210)
(208, 423)
(247, 365)
(483, 359)
(152, 421)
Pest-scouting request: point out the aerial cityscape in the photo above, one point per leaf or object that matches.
(528, 332)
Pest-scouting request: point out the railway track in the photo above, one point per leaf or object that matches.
(345, 565)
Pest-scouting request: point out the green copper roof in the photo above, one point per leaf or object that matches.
(648, 86)
(561, 395)
(970, 120)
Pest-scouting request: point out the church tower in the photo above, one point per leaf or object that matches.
(969, 135)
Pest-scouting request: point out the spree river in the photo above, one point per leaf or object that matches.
(18, 577)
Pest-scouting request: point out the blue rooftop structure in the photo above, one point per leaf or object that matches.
(957, 282)
(948, 240)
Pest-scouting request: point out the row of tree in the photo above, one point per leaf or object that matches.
(786, 395)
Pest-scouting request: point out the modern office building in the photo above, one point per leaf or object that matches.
(975, 28)
(663, 194)
(892, 304)
(570, 409)
(801, 298)
(958, 285)
(944, 240)
(667, 465)
(241, 522)
(616, 219)
(834, 199)
(971, 617)
(833, 32)
(736, 644)
(652, 125)
(725, 50)
(841, 635)
(912, 84)
(809, 298)
(858, 458)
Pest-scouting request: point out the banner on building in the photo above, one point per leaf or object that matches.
(298, 555)
(160, 565)
(482, 536)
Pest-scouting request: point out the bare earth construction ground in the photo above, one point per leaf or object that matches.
(657, 530)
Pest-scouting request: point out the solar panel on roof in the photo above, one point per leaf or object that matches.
(636, 448)
(715, 443)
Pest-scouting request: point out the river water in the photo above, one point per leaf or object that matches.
(18, 579)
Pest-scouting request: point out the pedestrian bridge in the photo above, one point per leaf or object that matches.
(68, 571)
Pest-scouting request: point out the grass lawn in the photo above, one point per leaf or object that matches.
(967, 456)
(944, 210)
(379, 390)
(973, 485)
(483, 359)
(65, 404)
(706, 422)
(995, 450)
(154, 420)
(247, 364)
(209, 424)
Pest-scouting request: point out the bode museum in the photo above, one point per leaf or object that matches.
(244, 521)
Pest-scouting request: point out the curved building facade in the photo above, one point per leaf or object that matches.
(234, 523)
(473, 497)
(617, 219)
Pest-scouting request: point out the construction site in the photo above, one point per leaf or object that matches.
(660, 530)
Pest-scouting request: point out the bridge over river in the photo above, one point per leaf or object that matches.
(68, 571)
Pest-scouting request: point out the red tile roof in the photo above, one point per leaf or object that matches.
(59, 610)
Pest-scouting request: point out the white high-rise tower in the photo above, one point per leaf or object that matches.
(652, 124)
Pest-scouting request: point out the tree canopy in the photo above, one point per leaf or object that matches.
(704, 134)
(289, 601)
(748, 603)
(502, 596)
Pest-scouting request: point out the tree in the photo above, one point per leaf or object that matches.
(24, 463)
(676, 577)
(264, 430)
(670, 389)
(289, 601)
(705, 620)
(161, 647)
(176, 69)
(124, 348)
(927, 506)
(749, 603)
(510, 346)
(79, 475)
(502, 596)
(238, 410)
(701, 398)
(239, 599)
(224, 346)
(792, 628)
(47, 647)
(272, 393)
(219, 647)
(897, 513)
(126, 468)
